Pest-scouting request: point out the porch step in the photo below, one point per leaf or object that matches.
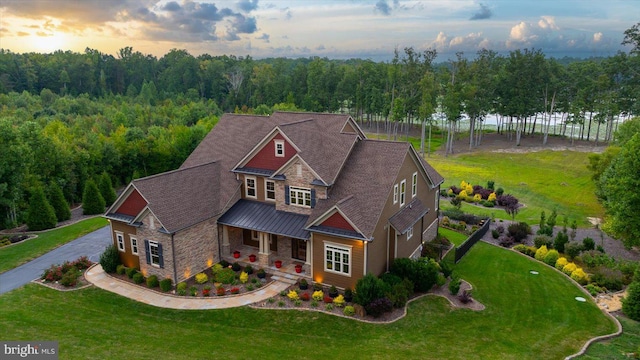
(285, 278)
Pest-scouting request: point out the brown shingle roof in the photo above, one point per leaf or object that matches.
(182, 197)
(408, 215)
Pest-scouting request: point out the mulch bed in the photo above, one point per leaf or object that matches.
(81, 283)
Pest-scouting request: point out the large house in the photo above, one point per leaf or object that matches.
(301, 188)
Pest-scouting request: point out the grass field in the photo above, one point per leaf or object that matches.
(526, 317)
(620, 347)
(541, 180)
(18, 254)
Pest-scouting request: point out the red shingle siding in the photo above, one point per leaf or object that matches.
(337, 221)
(132, 205)
(266, 157)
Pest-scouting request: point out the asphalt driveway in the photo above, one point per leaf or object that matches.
(91, 245)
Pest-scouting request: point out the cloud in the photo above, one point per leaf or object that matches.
(597, 37)
(247, 5)
(20, 33)
(264, 37)
(383, 7)
(483, 13)
(544, 33)
(466, 43)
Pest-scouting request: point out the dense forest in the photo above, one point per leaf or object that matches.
(67, 117)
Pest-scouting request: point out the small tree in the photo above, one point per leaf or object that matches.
(368, 289)
(92, 200)
(560, 241)
(41, 214)
(59, 203)
(106, 189)
(631, 303)
(110, 259)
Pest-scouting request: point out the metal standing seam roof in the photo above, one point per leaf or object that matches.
(254, 215)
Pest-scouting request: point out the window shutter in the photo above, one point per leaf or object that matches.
(161, 255)
(286, 194)
(147, 251)
(313, 198)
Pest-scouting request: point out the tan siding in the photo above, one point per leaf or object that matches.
(357, 261)
(127, 257)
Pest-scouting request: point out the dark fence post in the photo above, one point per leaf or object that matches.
(472, 240)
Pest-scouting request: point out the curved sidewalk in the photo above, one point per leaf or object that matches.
(99, 278)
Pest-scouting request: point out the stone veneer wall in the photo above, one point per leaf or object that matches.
(196, 249)
(293, 179)
(235, 239)
(149, 231)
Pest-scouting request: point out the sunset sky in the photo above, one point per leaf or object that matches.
(335, 29)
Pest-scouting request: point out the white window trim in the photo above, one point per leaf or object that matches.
(120, 241)
(410, 233)
(342, 249)
(246, 187)
(395, 194)
(300, 193)
(266, 191)
(278, 143)
(154, 244)
(437, 200)
(134, 248)
(414, 185)
(403, 192)
(255, 235)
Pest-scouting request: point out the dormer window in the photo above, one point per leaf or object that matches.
(250, 187)
(279, 146)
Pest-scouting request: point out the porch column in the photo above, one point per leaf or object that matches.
(264, 252)
(307, 261)
(226, 247)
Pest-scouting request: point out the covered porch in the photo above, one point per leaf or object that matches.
(274, 237)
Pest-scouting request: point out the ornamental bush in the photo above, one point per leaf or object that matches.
(201, 278)
(293, 295)
(317, 295)
(541, 253)
(588, 244)
(120, 269)
(41, 215)
(225, 276)
(400, 293)
(551, 257)
(492, 197)
(165, 284)
(349, 310)
(131, 271)
(216, 268)
(138, 278)
(338, 300)
(92, 200)
(580, 276)
(454, 284)
(561, 239)
(70, 278)
(181, 286)
(378, 307)
(631, 303)
(519, 231)
(110, 259)
(561, 262)
(244, 277)
(59, 203)
(527, 250)
(368, 288)
(572, 249)
(540, 240)
(152, 281)
(611, 279)
(569, 268)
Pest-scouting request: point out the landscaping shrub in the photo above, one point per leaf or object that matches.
(445, 268)
(465, 297)
(261, 274)
(53, 273)
(495, 234)
(82, 263)
(152, 281)
(225, 276)
(421, 272)
(236, 267)
(631, 303)
(348, 294)
(317, 295)
(580, 276)
(588, 244)
(40, 214)
(569, 268)
(611, 279)
(441, 280)
(70, 278)
(131, 271)
(454, 285)
(110, 259)
(499, 191)
(402, 268)
(338, 300)
(120, 269)
(220, 291)
(58, 202)
(165, 284)
(628, 268)
(506, 240)
(560, 241)
(293, 295)
(92, 200)
(378, 307)
(244, 277)
(305, 296)
(138, 278)
(333, 291)
(551, 257)
(390, 279)
(400, 293)
(201, 278)
(572, 249)
(594, 289)
(248, 269)
(541, 240)
(368, 288)
(224, 263)
(561, 262)
(490, 185)
(519, 231)
(193, 291)
(594, 259)
(349, 310)
(216, 268)
(327, 299)
(541, 253)
(206, 291)
(181, 286)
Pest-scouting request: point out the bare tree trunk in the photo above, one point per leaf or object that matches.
(546, 130)
(471, 132)
(598, 133)
(589, 129)
(518, 131)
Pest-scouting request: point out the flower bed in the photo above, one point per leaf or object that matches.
(67, 275)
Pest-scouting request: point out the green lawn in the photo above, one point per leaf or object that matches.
(541, 180)
(619, 347)
(527, 317)
(15, 255)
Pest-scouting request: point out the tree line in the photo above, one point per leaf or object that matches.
(66, 117)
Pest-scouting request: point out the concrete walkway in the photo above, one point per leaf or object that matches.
(91, 245)
(99, 278)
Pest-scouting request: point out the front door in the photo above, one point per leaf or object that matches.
(299, 249)
(273, 244)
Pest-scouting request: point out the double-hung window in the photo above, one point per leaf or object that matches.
(120, 239)
(337, 259)
(250, 187)
(279, 146)
(410, 233)
(300, 196)
(134, 245)
(270, 189)
(154, 253)
(414, 185)
(403, 190)
(395, 194)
